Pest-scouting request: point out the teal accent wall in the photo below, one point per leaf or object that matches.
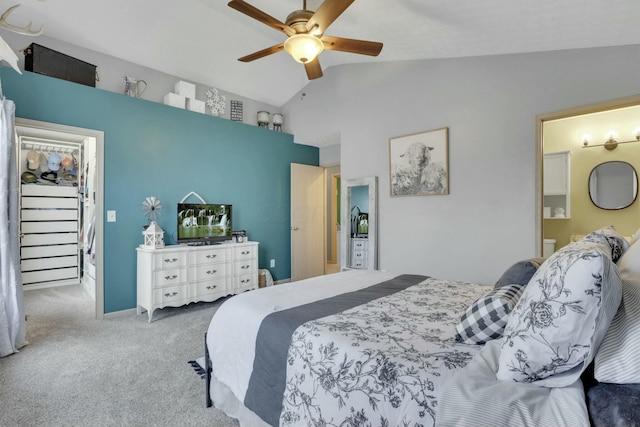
(151, 149)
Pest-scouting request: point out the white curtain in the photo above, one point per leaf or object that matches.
(12, 322)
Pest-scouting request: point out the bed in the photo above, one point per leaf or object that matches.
(362, 348)
(369, 345)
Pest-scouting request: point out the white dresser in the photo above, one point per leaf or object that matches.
(177, 275)
(359, 253)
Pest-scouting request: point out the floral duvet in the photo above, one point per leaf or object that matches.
(379, 363)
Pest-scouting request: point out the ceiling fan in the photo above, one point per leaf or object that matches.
(305, 34)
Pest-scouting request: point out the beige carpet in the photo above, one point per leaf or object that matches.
(78, 371)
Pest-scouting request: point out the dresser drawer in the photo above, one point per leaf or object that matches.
(245, 281)
(171, 295)
(208, 271)
(359, 263)
(169, 260)
(359, 245)
(245, 267)
(205, 256)
(207, 287)
(245, 252)
(359, 255)
(170, 277)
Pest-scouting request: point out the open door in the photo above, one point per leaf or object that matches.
(54, 217)
(307, 221)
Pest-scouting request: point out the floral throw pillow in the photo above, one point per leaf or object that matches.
(616, 242)
(561, 318)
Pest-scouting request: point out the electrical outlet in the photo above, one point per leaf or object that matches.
(272, 263)
(111, 216)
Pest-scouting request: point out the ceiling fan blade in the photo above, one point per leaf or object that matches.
(328, 11)
(259, 15)
(313, 68)
(362, 47)
(262, 53)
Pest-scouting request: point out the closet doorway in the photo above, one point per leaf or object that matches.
(61, 198)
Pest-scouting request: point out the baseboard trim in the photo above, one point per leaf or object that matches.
(279, 282)
(121, 313)
(52, 284)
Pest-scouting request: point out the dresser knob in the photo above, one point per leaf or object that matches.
(170, 277)
(212, 271)
(170, 260)
(172, 294)
(244, 267)
(212, 256)
(210, 287)
(245, 252)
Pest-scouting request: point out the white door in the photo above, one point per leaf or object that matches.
(307, 221)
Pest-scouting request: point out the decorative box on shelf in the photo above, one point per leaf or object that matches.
(188, 90)
(195, 105)
(175, 100)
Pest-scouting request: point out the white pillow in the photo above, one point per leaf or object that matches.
(561, 318)
(617, 359)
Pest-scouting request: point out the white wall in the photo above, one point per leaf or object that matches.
(489, 104)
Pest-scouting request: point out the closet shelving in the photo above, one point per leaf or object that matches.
(51, 218)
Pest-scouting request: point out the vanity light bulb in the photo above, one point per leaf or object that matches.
(611, 135)
(637, 133)
(586, 139)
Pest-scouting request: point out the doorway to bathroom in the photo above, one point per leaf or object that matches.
(565, 209)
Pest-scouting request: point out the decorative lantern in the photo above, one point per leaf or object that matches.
(278, 119)
(153, 236)
(263, 119)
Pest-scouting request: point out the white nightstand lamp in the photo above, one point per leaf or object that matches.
(153, 236)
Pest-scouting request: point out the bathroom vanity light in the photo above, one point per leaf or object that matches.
(611, 143)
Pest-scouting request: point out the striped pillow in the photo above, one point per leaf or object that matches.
(486, 318)
(617, 358)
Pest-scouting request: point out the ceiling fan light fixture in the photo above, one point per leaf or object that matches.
(303, 48)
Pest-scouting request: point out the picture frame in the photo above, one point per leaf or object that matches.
(419, 163)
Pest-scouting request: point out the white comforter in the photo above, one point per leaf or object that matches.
(382, 362)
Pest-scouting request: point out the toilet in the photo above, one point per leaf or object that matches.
(548, 247)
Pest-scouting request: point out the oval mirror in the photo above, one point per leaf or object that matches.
(613, 185)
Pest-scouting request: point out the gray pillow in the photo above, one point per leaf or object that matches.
(519, 273)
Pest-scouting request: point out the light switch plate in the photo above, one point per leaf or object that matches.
(111, 216)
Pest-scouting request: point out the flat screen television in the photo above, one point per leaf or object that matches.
(204, 223)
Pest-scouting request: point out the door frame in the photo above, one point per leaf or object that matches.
(332, 233)
(41, 129)
(613, 104)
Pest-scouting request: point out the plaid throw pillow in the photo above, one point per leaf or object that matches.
(486, 318)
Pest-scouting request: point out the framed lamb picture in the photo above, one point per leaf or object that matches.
(419, 163)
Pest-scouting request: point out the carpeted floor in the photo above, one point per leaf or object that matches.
(78, 371)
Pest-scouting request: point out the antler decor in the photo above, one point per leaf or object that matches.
(20, 30)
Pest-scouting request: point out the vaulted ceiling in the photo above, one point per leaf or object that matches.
(200, 40)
